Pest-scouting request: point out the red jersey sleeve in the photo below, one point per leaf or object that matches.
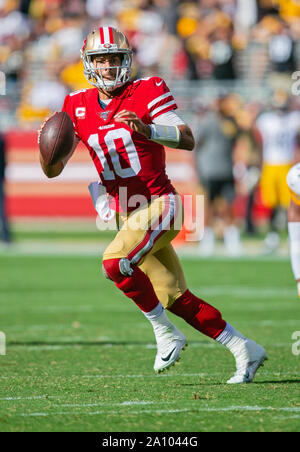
(159, 98)
(68, 107)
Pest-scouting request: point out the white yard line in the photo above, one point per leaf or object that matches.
(86, 248)
(164, 375)
(68, 326)
(237, 292)
(13, 399)
(168, 375)
(126, 403)
(213, 289)
(195, 410)
(284, 418)
(247, 291)
(61, 309)
(85, 343)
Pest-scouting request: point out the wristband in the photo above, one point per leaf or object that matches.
(165, 135)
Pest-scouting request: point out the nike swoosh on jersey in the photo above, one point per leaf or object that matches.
(169, 355)
(158, 84)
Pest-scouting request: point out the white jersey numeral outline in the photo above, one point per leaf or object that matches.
(109, 138)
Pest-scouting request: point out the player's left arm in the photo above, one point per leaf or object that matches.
(176, 136)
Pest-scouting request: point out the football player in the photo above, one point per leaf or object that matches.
(125, 125)
(293, 181)
(278, 130)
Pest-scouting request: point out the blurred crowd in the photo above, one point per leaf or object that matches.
(191, 42)
(40, 42)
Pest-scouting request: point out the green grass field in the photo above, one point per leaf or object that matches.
(80, 355)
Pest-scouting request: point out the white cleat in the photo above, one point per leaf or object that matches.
(169, 347)
(251, 358)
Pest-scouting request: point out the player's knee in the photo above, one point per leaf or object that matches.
(104, 271)
(111, 269)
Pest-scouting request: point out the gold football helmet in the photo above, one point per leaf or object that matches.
(106, 40)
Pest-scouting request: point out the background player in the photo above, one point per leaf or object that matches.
(124, 125)
(278, 129)
(293, 181)
(216, 138)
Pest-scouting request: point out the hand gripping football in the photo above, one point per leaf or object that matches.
(56, 138)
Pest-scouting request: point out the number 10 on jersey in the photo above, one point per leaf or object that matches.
(110, 137)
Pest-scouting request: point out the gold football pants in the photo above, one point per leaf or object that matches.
(145, 240)
(274, 189)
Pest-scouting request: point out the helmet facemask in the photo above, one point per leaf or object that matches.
(94, 74)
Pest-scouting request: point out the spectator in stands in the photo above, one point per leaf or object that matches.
(179, 40)
(289, 10)
(14, 34)
(208, 34)
(282, 48)
(4, 230)
(266, 7)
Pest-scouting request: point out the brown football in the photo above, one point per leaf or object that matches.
(57, 138)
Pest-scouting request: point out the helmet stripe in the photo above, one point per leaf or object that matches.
(101, 35)
(84, 44)
(106, 35)
(111, 35)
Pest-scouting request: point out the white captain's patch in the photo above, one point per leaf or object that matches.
(80, 112)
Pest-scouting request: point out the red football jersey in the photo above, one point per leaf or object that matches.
(124, 158)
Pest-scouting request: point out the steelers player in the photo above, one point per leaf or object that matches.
(125, 125)
(293, 181)
(279, 129)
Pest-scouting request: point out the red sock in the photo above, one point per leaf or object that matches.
(138, 286)
(199, 314)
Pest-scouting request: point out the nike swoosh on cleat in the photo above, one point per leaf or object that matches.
(169, 355)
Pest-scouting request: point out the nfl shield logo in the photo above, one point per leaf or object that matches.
(104, 115)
